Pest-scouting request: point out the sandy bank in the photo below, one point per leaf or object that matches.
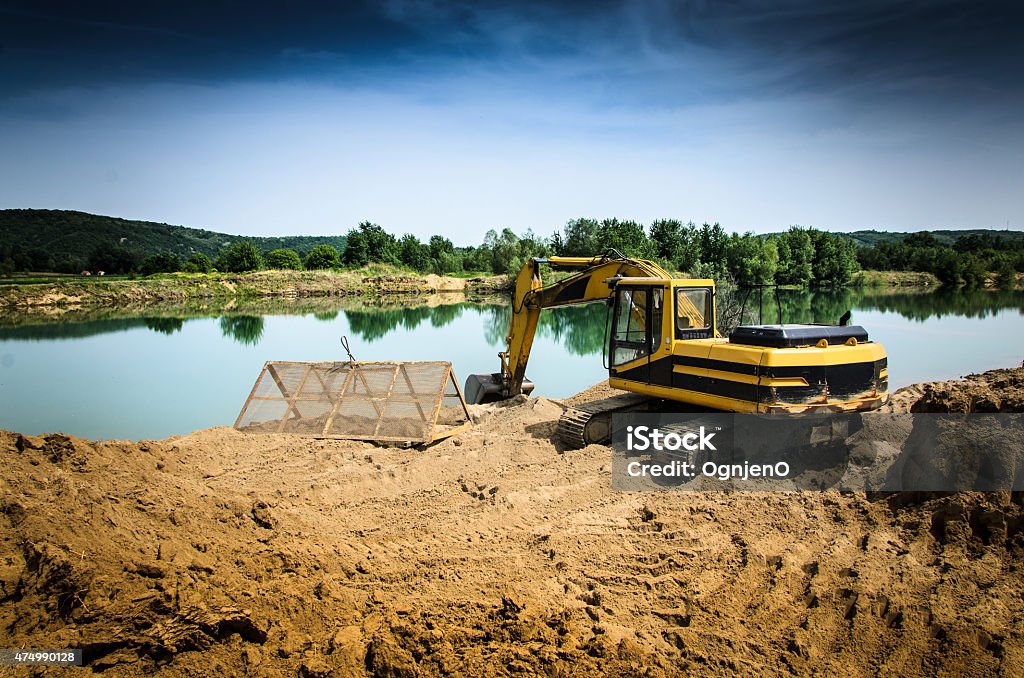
(184, 287)
(489, 554)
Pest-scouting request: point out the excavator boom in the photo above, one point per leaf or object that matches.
(593, 280)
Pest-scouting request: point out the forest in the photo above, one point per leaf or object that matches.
(799, 257)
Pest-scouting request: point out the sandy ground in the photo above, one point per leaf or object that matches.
(73, 293)
(493, 553)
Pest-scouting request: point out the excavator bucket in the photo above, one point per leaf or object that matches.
(489, 388)
(395, 402)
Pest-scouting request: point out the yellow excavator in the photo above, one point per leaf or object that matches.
(664, 347)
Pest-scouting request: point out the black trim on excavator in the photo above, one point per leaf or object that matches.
(720, 365)
(574, 291)
(842, 380)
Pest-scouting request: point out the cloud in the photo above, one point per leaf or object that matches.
(663, 52)
(478, 114)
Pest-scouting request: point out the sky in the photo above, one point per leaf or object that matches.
(427, 116)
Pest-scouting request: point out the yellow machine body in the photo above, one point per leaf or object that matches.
(664, 343)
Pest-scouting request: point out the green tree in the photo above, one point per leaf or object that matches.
(450, 262)
(667, 239)
(40, 259)
(796, 257)
(581, 238)
(557, 243)
(413, 253)
(712, 240)
(751, 260)
(973, 271)
(532, 246)
(506, 252)
(322, 256)
(283, 259)
(440, 245)
(198, 263)
(369, 242)
(477, 259)
(628, 237)
(908, 258)
(835, 259)
(1006, 276)
(947, 268)
(921, 239)
(240, 256)
(164, 262)
(112, 258)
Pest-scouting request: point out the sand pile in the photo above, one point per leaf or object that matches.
(992, 391)
(491, 553)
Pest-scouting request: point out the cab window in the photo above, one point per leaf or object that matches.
(693, 310)
(630, 339)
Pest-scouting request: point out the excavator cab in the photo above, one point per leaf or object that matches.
(648, 315)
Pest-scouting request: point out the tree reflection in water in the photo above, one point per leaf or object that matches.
(245, 329)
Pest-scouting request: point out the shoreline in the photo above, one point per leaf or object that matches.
(72, 291)
(369, 283)
(216, 306)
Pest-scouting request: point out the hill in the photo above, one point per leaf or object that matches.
(77, 234)
(947, 237)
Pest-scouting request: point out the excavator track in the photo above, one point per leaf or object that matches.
(591, 423)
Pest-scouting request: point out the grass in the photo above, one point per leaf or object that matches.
(51, 278)
(894, 279)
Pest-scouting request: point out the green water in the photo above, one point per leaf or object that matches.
(157, 371)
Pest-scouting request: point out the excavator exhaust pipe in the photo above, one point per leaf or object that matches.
(489, 388)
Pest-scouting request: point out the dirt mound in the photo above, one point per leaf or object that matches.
(992, 391)
(490, 553)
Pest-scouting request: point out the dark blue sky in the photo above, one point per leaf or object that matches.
(308, 116)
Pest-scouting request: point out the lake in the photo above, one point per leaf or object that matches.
(157, 371)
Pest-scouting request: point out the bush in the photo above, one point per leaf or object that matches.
(1006, 276)
(322, 256)
(284, 259)
(198, 263)
(370, 243)
(165, 262)
(114, 259)
(240, 256)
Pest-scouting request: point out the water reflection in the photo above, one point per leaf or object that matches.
(372, 324)
(165, 325)
(245, 329)
(580, 329)
(826, 306)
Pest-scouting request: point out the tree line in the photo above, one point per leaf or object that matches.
(802, 257)
(968, 260)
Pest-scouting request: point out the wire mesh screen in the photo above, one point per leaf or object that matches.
(386, 401)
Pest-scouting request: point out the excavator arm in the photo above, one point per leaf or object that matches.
(593, 280)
